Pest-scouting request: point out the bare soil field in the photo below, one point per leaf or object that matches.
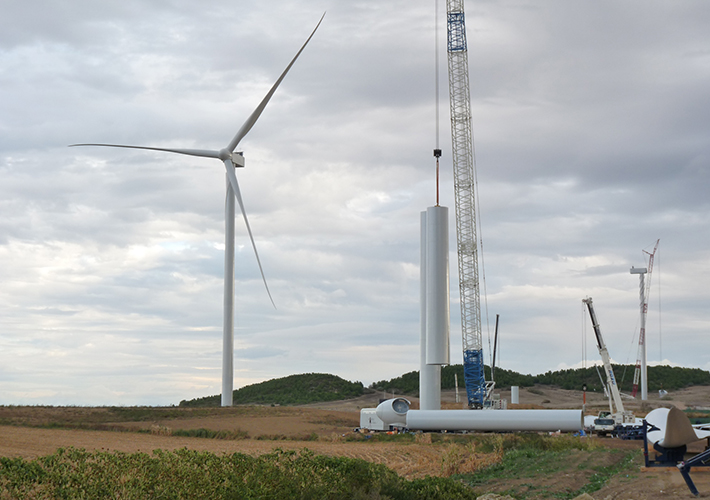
(411, 461)
(29, 432)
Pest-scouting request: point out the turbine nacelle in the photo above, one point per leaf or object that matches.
(237, 158)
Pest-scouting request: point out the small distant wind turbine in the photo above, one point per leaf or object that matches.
(231, 160)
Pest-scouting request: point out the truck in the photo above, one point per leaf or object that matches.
(604, 424)
(617, 421)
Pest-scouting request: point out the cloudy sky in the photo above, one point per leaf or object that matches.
(592, 130)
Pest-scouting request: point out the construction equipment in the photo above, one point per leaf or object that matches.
(477, 389)
(644, 291)
(670, 432)
(609, 422)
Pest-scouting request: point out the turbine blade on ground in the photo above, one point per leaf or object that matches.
(204, 153)
(244, 130)
(679, 431)
(232, 176)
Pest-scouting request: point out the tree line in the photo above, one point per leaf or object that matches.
(659, 377)
(320, 387)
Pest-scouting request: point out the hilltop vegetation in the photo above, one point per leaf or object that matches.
(292, 390)
(321, 387)
(670, 378)
(659, 377)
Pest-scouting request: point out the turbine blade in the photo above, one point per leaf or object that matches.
(244, 130)
(232, 176)
(204, 153)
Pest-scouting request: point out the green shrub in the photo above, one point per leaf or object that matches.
(75, 473)
(210, 434)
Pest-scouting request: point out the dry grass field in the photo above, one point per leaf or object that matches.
(29, 432)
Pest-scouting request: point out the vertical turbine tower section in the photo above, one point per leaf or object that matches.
(437, 283)
(464, 196)
(429, 374)
(641, 370)
(644, 292)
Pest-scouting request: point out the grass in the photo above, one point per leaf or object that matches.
(604, 473)
(381, 437)
(282, 437)
(698, 416)
(526, 459)
(211, 434)
(109, 417)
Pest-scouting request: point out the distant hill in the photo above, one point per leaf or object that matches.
(291, 390)
(659, 377)
(320, 387)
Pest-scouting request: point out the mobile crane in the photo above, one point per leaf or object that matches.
(614, 421)
(478, 390)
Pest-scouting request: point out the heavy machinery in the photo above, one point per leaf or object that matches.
(644, 291)
(478, 390)
(617, 419)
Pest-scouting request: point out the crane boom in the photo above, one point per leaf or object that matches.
(644, 291)
(604, 353)
(464, 197)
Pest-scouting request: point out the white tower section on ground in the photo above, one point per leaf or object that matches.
(396, 413)
(496, 421)
(515, 394)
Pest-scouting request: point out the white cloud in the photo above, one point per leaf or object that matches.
(591, 127)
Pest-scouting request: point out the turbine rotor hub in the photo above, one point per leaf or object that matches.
(237, 158)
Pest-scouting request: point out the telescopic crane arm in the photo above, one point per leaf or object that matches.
(604, 353)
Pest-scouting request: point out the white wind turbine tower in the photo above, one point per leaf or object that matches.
(231, 160)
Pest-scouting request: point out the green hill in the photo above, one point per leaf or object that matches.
(409, 382)
(670, 378)
(320, 387)
(291, 390)
(659, 377)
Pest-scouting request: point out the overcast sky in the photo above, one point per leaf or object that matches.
(592, 134)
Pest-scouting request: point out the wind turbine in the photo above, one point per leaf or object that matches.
(231, 160)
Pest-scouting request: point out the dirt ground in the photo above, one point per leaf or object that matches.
(322, 427)
(412, 461)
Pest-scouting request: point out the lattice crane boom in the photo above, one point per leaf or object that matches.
(643, 293)
(464, 197)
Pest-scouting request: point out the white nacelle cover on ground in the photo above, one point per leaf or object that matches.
(495, 420)
(370, 420)
(394, 411)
